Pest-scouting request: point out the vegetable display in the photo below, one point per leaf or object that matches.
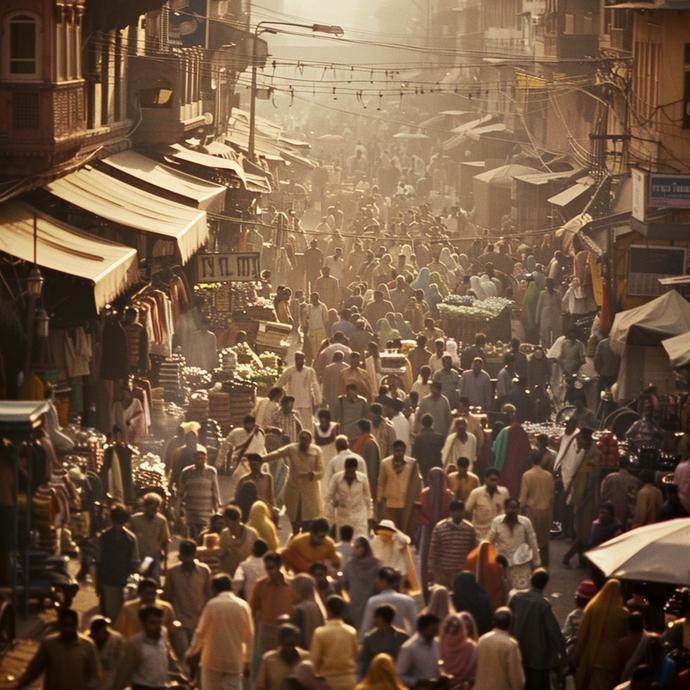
(463, 307)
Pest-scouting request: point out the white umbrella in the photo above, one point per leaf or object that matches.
(654, 553)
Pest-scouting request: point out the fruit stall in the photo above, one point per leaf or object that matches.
(463, 316)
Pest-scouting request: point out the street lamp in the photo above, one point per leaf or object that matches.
(262, 27)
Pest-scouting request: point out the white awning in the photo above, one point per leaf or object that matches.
(122, 203)
(188, 189)
(108, 266)
(571, 193)
(206, 160)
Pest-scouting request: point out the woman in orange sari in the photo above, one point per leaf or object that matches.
(481, 562)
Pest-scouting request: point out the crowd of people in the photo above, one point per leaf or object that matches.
(420, 535)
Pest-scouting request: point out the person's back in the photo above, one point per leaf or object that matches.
(499, 662)
(334, 647)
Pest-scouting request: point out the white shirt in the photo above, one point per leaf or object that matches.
(302, 385)
(246, 575)
(455, 448)
(350, 504)
(402, 428)
(405, 611)
(337, 464)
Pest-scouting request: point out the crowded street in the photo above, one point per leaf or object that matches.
(344, 347)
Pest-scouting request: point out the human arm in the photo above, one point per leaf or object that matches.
(129, 662)
(315, 389)
(404, 667)
(434, 551)
(215, 491)
(329, 500)
(515, 672)
(36, 667)
(532, 542)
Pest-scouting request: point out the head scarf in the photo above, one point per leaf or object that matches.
(406, 249)
(469, 596)
(260, 520)
(435, 499)
(446, 259)
(452, 350)
(481, 562)
(440, 604)
(488, 286)
(382, 287)
(308, 613)
(458, 649)
(306, 677)
(477, 287)
(421, 282)
(435, 279)
(470, 625)
(464, 261)
(603, 612)
(381, 675)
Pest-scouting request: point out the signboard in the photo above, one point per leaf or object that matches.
(226, 268)
(669, 191)
(640, 192)
(646, 264)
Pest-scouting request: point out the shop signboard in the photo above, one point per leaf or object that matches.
(226, 268)
(669, 191)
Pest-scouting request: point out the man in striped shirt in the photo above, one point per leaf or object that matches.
(199, 494)
(451, 541)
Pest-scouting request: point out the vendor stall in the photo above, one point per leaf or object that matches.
(637, 336)
(463, 317)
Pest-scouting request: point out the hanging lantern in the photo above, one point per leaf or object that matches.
(35, 282)
(42, 323)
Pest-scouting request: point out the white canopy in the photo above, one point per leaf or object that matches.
(189, 189)
(638, 334)
(108, 266)
(678, 349)
(122, 203)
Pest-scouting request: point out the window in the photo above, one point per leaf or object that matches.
(21, 57)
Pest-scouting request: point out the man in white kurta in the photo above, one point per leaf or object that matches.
(460, 444)
(499, 662)
(301, 383)
(348, 501)
(337, 462)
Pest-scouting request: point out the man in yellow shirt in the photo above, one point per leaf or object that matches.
(334, 647)
(128, 623)
(311, 547)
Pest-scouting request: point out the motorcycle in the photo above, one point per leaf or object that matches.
(49, 579)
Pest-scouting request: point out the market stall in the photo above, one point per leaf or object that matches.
(462, 317)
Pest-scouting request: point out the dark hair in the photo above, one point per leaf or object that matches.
(64, 615)
(259, 548)
(119, 514)
(608, 507)
(335, 605)
(463, 462)
(317, 567)
(288, 630)
(624, 461)
(347, 531)
(232, 513)
(326, 414)
(385, 611)
(221, 583)
(249, 419)
(253, 457)
(503, 617)
(351, 461)
(275, 392)
(510, 500)
(365, 545)
(351, 387)
(146, 583)
(319, 525)
(364, 425)
(273, 557)
(540, 578)
(97, 624)
(388, 574)
(187, 547)
(427, 420)
(642, 672)
(491, 472)
(145, 612)
(426, 620)
(376, 408)
(457, 504)
(400, 444)
(537, 456)
(647, 476)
